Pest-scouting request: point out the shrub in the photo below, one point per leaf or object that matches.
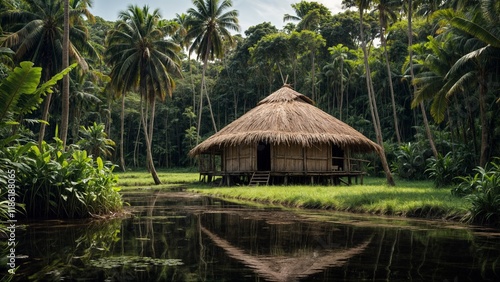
(483, 191)
(63, 184)
(410, 162)
(445, 170)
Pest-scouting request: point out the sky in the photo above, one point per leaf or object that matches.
(251, 12)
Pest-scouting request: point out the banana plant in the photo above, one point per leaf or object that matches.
(21, 92)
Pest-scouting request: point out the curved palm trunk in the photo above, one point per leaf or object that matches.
(210, 109)
(65, 90)
(200, 107)
(152, 121)
(373, 106)
(149, 155)
(204, 88)
(391, 87)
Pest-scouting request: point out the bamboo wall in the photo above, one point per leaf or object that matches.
(287, 158)
(293, 158)
(318, 158)
(240, 158)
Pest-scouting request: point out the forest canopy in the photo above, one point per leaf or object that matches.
(152, 88)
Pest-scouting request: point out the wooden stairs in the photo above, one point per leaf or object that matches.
(260, 178)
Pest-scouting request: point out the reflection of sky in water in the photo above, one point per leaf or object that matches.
(181, 237)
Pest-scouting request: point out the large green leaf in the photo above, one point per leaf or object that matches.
(23, 80)
(47, 86)
(476, 30)
(19, 92)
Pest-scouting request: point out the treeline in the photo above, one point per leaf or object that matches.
(436, 92)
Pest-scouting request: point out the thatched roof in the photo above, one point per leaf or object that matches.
(287, 117)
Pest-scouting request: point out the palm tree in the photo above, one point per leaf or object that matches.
(308, 14)
(84, 90)
(36, 34)
(434, 59)
(475, 69)
(362, 6)
(65, 88)
(209, 25)
(412, 75)
(386, 12)
(181, 35)
(95, 140)
(339, 54)
(310, 42)
(181, 38)
(141, 59)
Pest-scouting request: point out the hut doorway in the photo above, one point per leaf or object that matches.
(337, 158)
(263, 157)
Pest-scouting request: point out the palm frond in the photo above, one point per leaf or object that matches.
(476, 30)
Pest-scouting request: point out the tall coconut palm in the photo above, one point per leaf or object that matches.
(363, 5)
(209, 25)
(36, 34)
(308, 14)
(412, 74)
(142, 60)
(386, 11)
(478, 68)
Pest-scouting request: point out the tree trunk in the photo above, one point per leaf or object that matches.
(373, 105)
(152, 121)
(45, 117)
(313, 75)
(341, 87)
(391, 87)
(210, 108)
(148, 146)
(146, 120)
(483, 159)
(200, 108)
(122, 131)
(422, 107)
(65, 90)
(136, 144)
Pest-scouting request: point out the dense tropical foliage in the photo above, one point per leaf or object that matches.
(359, 65)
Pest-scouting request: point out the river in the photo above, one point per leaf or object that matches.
(178, 236)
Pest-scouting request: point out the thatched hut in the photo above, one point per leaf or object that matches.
(285, 138)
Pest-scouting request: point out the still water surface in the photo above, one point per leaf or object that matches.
(176, 236)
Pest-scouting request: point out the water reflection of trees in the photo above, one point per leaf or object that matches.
(217, 241)
(58, 250)
(281, 247)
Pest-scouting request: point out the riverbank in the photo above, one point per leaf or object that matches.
(408, 199)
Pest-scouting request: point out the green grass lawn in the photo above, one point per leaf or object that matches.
(143, 179)
(408, 198)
